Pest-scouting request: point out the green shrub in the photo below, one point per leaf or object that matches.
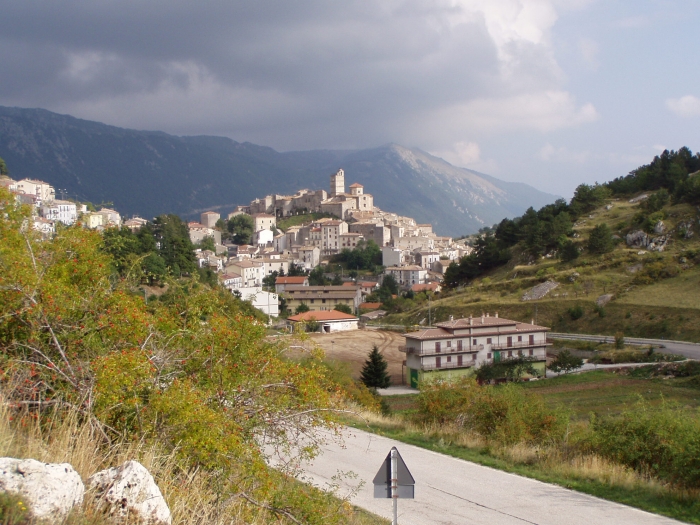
(664, 443)
(499, 413)
(575, 312)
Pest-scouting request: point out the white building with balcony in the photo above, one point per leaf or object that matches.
(61, 211)
(456, 347)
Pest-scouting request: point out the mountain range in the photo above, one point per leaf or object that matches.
(148, 173)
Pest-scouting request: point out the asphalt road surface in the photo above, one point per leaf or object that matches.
(689, 350)
(456, 492)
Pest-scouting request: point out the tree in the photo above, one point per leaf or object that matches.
(296, 270)
(337, 280)
(303, 307)
(207, 243)
(175, 247)
(511, 369)
(345, 308)
(568, 251)
(374, 371)
(565, 362)
(241, 227)
(317, 277)
(3, 167)
(600, 240)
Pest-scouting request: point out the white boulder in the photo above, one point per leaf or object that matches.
(51, 489)
(130, 489)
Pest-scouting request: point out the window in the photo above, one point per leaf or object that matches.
(459, 345)
(510, 353)
(474, 343)
(520, 339)
(437, 346)
(532, 352)
(488, 356)
(449, 344)
(488, 340)
(323, 301)
(532, 339)
(474, 357)
(449, 358)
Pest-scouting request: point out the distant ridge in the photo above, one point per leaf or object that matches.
(150, 172)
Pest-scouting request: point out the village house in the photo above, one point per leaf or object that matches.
(321, 298)
(199, 232)
(231, 281)
(263, 221)
(407, 276)
(328, 321)
(282, 282)
(274, 264)
(209, 219)
(251, 272)
(309, 256)
(43, 191)
(427, 259)
(135, 223)
(61, 211)
(456, 347)
(92, 220)
(110, 217)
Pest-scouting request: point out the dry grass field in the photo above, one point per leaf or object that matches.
(353, 346)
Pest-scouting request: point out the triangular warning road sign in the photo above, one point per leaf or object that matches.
(382, 481)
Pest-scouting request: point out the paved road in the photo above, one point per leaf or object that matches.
(456, 492)
(690, 350)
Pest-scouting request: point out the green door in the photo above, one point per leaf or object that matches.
(496, 357)
(413, 377)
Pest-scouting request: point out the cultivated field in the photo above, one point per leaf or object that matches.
(353, 346)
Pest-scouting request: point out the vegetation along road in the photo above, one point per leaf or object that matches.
(457, 492)
(689, 350)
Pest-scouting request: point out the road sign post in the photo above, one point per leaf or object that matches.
(394, 481)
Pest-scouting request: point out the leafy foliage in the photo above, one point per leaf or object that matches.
(600, 240)
(664, 443)
(241, 228)
(365, 256)
(189, 371)
(500, 413)
(345, 308)
(3, 167)
(488, 253)
(374, 371)
(511, 369)
(565, 362)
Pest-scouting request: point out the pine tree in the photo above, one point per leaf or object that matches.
(374, 372)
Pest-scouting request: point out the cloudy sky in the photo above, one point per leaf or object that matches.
(548, 92)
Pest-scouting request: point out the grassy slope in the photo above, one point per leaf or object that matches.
(298, 220)
(602, 392)
(668, 308)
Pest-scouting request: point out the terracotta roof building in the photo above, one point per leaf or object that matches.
(328, 321)
(456, 347)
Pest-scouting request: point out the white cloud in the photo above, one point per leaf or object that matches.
(687, 106)
(543, 111)
(468, 152)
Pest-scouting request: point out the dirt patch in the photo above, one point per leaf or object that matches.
(353, 347)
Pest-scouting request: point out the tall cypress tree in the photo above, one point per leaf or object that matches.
(374, 372)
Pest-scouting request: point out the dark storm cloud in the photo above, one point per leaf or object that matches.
(333, 73)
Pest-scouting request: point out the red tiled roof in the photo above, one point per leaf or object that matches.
(291, 280)
(332, 315)
(356, 185)
(369, 306)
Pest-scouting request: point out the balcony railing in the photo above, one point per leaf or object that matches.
(453, 364)
(518, 344)
(453, 350)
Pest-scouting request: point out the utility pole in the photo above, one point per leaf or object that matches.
(430, 320)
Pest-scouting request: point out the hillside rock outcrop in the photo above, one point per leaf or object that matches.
(539, 291)
(130, 489)
(51, 489)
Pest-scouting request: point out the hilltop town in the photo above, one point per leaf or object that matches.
(411, 253)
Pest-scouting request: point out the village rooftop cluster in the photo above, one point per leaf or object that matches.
(412, 253)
